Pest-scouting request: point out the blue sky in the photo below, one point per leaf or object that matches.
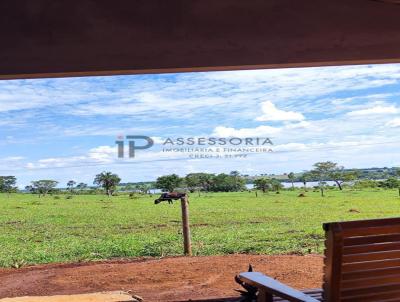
(66, 128)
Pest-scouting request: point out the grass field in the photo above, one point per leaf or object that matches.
(87, 227)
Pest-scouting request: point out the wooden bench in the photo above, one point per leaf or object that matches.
(362, 264)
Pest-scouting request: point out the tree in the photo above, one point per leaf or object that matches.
(129, 187)
(276, 185)
(205, 181)
(304, 178)
(81, 186)
(71, 185)
(143, 188)
(339, 176)
(227, 183)
(193, 182)
(44, 186)
(292, 177)
(398, 177)
(262, 183)
(322, 172)
(108, 181)
(237, 179)
(234, 173)
(7, 184)
(168, 183)
(30, 189)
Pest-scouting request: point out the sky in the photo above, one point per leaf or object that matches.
(66, 128)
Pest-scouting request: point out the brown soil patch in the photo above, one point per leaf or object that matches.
(167, 279)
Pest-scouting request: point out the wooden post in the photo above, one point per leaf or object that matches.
(263, 296)
(185, 226)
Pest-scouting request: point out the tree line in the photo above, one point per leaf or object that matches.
(208, 182)
(106, 180)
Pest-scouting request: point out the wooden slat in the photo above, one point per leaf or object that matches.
(365, 231)
(371, 239)
(374, 247)
(365, 291)
(369, 273)
(380, 264)
(364, 257)
(363, 223)
(373, 297)
(373, 281)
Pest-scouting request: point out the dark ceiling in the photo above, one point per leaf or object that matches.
(43, 38)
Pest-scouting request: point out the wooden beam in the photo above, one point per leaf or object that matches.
(47, 38)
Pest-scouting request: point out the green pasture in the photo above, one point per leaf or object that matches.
(89, 227)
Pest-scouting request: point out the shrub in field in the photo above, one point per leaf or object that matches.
(133, 196)
(390, 183)
(365, 183)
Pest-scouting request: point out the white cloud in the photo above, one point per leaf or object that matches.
(97, 155)
(374, 111)
(299, 125)
(222, 131)
(13, 158)
(153, 104)
(264, 130)
(394, 123)
(102, 154)
(271, 113)
(285, 84)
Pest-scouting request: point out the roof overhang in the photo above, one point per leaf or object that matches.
(47, 38)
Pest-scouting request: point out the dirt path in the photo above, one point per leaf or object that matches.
(167, 279)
